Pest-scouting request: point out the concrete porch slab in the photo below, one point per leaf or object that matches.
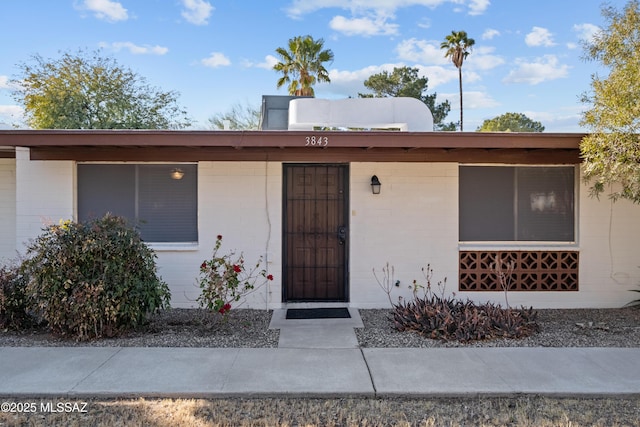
(279, 318)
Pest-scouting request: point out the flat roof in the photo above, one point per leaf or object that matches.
(333, 146)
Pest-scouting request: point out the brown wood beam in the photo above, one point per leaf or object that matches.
(329, 154)
(297, 139)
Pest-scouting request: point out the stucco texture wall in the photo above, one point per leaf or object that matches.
(412, 223)
(242, 201)
(45, 194)
(7, 209)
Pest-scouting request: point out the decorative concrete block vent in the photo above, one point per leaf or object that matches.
(533, 270)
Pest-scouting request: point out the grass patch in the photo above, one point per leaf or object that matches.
(517, 411)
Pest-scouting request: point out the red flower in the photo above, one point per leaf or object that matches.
(224, 308)
(237, 268)
(227, 306)
(204, 265)
(219, 237)
(270, 277)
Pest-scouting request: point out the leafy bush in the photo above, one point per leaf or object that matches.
(94, 279)
(449, 318)
(14, 305)
(224, 279)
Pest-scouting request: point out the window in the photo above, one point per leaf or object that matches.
(517, 203)
(163, 205)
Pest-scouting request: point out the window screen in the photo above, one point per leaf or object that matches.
(164, 209)
(517, 203)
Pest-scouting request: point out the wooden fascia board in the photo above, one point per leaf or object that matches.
(289, 139)
(331, 154)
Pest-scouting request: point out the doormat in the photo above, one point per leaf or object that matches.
(318, 313)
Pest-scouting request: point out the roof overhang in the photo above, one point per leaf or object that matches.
(321, 146)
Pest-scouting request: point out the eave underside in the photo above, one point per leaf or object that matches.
(192, 146)
(333, 154)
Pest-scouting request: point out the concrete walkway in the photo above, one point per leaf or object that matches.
(299, 368)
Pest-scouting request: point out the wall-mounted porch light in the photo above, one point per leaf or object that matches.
(375, 184)
(177, 173)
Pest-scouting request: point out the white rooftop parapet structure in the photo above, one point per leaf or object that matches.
(404, 114)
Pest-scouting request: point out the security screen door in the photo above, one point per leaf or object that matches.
(315, 231)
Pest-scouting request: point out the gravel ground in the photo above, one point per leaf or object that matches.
(250, 328)
(558, 328)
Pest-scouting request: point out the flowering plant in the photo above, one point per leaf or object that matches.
(225, 279)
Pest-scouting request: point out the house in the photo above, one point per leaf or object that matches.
(308, 203)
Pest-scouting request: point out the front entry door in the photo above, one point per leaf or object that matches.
(315, 232)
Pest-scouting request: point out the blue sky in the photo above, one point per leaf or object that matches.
(218, 53)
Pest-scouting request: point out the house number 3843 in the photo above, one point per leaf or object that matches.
(316, 141)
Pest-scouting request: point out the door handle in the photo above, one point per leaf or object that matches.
(342, 235)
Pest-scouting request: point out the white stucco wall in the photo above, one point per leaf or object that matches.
(45, 194)
(609, 251)
(413, 222)
(242, 201)
(7, 210)
(608, 241)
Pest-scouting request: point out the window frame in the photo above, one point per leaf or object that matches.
(540, 244)
(183, 245)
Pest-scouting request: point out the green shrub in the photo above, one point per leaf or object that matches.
(93, 279)
(14, 307)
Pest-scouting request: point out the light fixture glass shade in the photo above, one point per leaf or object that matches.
(177, 173)
(375, 184)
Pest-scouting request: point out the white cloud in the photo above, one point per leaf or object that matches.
(421, 51)
(363, 26)
(135, 49)
(563, 119)
(215, 60)
(267, 64)
(489, 34)
(484, 59)
(586, 32)
(472, 100)
(4, 82)
(197, 12)
(539, 37)
(107, 10)
(542, 69)
(478, 7)
(10, 114)
(476, 100)
(424, 23)
(298, 8)
(438, 75)
(350, 83)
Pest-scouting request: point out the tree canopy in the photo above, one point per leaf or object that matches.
(611, 152)
(457, 46)
(404, 81)
(302, 65)
(511, 122)
(238, 117)
(89, 91)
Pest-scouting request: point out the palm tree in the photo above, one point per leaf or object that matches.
(302, 65)
(458, 47)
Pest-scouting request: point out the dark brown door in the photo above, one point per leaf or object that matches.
(315, 232)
